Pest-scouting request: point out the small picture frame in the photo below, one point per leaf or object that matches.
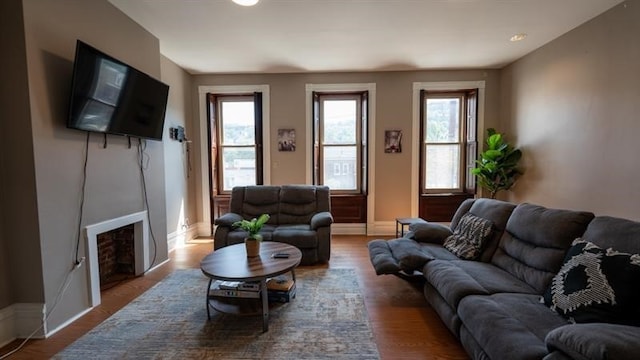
(393, 141)
(286, 140)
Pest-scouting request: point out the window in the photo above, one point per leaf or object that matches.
(339, 146)
(448, 138)
(236, 137)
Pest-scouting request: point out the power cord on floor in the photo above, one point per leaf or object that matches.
(77, 260)
(61, 290)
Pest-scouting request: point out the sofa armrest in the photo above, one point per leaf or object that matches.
(321, 219)
(595, 341)
(227, 219)
(428, 232)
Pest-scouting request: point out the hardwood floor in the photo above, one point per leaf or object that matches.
(404, 325)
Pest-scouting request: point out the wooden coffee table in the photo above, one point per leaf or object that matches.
(232, 264)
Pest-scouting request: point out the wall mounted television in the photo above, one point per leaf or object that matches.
(108, 96)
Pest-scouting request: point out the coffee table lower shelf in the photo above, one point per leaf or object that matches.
(235, 305)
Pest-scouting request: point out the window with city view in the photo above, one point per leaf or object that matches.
(447, 139)
(237, 139)
(338, 137)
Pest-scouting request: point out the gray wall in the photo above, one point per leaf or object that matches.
(393, 111)
(573, 107)
(179, 174)
(19, 233)
(113, 177)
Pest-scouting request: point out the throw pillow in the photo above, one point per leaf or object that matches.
(468, 237)
(596, 285)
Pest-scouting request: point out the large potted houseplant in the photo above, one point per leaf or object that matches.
(497, 168)
(253, 239)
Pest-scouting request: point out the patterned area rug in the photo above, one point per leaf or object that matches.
(326, 320)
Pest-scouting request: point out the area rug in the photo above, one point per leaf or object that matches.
(326, 320)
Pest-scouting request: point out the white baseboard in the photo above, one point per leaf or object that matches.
(348, 229)
(20, 320)
(204, 229)
(382, 228)
(179, 238)
(66, 323)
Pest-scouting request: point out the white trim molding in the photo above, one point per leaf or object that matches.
(178, 239)
(204, 152)
(371, 138)
(20, 320)
(141, 247)
(415, 145)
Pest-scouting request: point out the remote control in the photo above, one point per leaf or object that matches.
(280, 256)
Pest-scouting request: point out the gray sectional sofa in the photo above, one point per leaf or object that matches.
(300, 215)
(543, 284)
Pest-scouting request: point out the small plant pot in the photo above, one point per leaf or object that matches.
(253, 247)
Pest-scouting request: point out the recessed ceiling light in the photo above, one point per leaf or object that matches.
(246, 2)
(518, 37)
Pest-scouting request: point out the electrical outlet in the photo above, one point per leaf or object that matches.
(79, 263)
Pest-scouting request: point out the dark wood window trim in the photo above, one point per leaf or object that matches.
(440, 205)
(213, 114)
(346, 206)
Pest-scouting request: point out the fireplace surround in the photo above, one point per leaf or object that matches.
(141, 248)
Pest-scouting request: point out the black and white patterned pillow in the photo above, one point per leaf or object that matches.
(596, 285)
(469, 237)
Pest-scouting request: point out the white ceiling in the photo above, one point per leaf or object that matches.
(218, 36)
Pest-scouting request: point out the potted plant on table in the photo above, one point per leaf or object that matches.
(497, 168)
(252, 227)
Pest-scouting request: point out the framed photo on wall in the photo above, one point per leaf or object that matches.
(286, 140)
(393, 141)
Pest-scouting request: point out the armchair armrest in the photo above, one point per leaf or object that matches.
(227, 219)
(428, 232)
(596, 341)
(321, 219)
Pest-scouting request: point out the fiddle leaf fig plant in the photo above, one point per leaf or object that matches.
(252, 226)
(497, 168)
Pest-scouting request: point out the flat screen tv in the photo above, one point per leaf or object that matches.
(109, 96)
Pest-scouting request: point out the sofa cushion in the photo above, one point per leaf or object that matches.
(436, 251)
(535, 241)
(428, 232)
(455, 279)
(300, 236)
(620, 234)
(253, 201)
(597, 285)
(468, 237)
(496, 211)
(596, 341)
(382, 258)
(509, 326)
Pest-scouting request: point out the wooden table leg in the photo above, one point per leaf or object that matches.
(265, 305)
(208, 287)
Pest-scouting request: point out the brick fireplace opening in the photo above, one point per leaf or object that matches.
(116, 256)
(128, 257)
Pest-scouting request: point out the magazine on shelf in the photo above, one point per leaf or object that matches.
(280, 283)
(282, 296)
(217, 290)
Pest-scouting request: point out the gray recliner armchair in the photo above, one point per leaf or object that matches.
(300, 215)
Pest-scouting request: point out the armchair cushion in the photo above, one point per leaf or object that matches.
(321, 219)
(227, 219)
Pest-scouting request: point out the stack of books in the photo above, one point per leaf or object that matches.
(281, 289)
(235, 289)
